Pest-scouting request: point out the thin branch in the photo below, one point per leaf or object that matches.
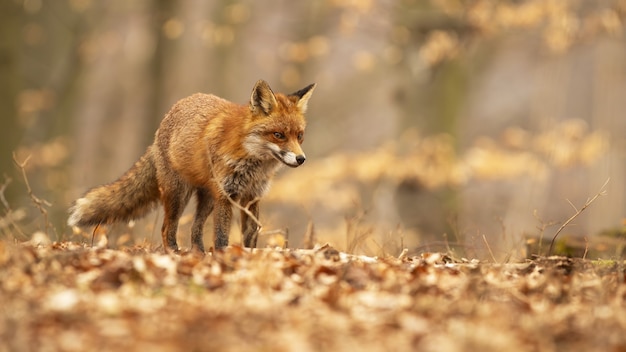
(10, 215)
(572, 204)
(542, 229)
(22, 167)
(3, 188)
(245, 209)
(602, 192)
(493, 257)
(39, 203)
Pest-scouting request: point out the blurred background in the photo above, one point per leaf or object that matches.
(477, 127)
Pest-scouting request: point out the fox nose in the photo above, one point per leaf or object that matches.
(300, 159)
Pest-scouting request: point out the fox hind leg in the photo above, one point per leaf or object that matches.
(203, 210)
(174, 199)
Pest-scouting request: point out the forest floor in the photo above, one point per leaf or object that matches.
(72, 297)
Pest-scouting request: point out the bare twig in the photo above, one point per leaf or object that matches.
(39, 203)
(245, 209)
(10, 216)
(572, 204)
(489, 249)
(3, 188)
(354, 237)
(586, 248)
(601, 192)
(542, 229)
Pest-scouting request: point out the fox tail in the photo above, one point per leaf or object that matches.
(129, 197)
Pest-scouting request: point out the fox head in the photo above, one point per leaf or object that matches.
(277, 126)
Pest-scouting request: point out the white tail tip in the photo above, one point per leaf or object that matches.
(76, 211)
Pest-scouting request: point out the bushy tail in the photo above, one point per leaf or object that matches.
(129, 197)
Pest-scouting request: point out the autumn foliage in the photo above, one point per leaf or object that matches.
(70, 297)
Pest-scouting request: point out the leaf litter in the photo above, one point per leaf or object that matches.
(71, 297)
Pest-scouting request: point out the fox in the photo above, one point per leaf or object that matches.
(224, 153)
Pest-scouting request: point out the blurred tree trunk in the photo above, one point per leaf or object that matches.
(429, 100)
(607, 114)
(11, 16)
(185, 62)
(114, 119)
(201, 51)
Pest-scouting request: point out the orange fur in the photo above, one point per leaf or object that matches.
(214, 149)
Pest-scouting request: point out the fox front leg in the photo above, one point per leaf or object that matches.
(249, 223)
(222, 217)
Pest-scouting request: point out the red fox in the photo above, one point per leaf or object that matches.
(221, 151)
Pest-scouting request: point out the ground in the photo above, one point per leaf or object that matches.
(74, 297)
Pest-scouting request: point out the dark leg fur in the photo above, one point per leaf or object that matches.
(223, 215)
(174, 199)
(203, 209)
(249, 227)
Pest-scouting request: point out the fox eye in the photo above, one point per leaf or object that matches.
(279, 135)
(300, 136)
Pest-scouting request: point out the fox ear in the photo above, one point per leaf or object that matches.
(263, 98)
(303, 96)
